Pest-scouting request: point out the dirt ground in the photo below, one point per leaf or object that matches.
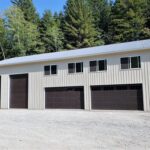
(74, 130)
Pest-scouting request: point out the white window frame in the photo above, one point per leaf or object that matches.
(130, 65)
(75, 68)
(97, 65)
(51, 69)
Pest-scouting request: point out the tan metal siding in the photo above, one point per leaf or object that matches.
(146, 81)
(114, 75)
(36, 91)
(4, 91)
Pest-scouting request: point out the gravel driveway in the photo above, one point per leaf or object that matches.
(74, 130)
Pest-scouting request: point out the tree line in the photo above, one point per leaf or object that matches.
(82, 23)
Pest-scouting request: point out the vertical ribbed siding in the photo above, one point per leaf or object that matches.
(87, 91)
(36, 91)
(4, 91)
(146, 81)
(114, 75)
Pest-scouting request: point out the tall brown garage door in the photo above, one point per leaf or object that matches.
(64, 98)
(117, 97)
(19, 91)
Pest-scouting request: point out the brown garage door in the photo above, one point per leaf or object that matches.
(119, 97)
(64, 98)
(19, 91)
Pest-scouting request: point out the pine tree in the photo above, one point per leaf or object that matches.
(55, 38)
(61, 19)
(28, 9)
(128, 21)
(2, 39)
(146, 31)
(79, 28)
(51, 34)
(84, 23)
(148, 14)
(21, 34)
(101, 10)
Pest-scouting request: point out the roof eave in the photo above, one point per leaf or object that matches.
(73, 57)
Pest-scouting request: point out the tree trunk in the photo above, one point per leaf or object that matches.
(2, 51)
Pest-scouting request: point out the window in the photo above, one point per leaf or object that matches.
(53, 69)
(135, 62)
(93, 66)
(50, 70)
(100, 65)
(125, 63)
(75, 67)
(47, 70)
(130, 62)
(71, 68)
(79, 67)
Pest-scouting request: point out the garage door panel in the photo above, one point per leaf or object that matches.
(19, 91)
(127, 99)
(68, 98)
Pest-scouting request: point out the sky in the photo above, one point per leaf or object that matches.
(41, 5)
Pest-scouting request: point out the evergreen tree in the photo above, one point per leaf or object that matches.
(28, 9)
(84, 23)
(101, 10)
(55, 38)
(61, 19)
(21, 34)
(2, 39)
(51, 34)
(148, 14)
(146, 31)
(79, 28)
(128, 21)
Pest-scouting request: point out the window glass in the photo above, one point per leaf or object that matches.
(47, 70)
(93, 66)
(71, 68)
(102, 65)
(79, 67)
(135, 62)
(105, 64)
(53, 69)
(139, 61)
(125, 63)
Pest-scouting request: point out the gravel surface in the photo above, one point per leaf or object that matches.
(74, 130)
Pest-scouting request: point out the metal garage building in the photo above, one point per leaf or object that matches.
(114, 77)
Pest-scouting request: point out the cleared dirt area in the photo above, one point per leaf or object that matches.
(74, 130)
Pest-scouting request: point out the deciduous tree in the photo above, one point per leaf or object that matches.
(21, 34)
